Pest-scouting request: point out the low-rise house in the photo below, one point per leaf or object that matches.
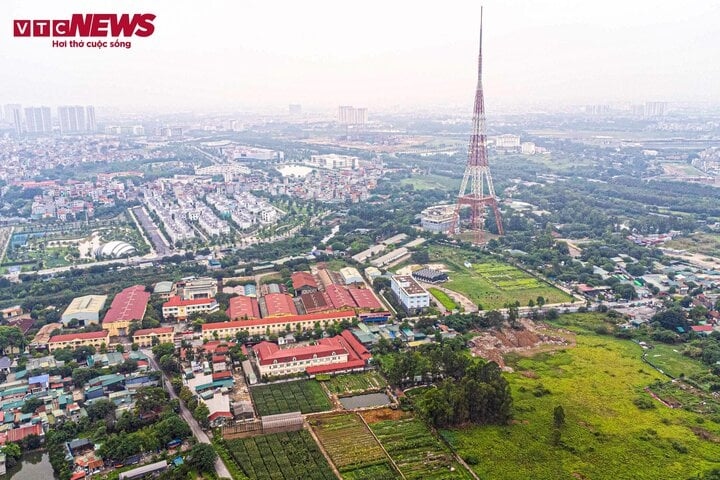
(149, 336)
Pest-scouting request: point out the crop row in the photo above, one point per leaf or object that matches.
(347, 441)
(305, 396)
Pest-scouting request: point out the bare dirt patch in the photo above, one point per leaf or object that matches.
(382, 414)
(532, 338)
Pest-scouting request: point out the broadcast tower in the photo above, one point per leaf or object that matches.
(477, 172)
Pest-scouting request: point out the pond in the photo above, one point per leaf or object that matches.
(367, 400)
(34, 466)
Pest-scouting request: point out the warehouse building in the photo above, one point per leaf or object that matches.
(86, 310)
(129, 305)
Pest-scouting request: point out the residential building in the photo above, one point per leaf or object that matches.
(274, 325)
(129, 305)
(72, 119)
(74, 340)
(148, 336)
(349, 115)
(38, 120)
(13, 115)
(180, 309)
(84, 309)
(409, 293)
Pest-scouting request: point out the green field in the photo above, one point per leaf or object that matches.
(443, 298)
(491, 283)
(432, 182)
(669, 359)
(605, 436)
(352, 383)
(416, 452)
(305, 396)
(290, 456)
(351, 446)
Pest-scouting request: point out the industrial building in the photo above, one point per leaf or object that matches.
(438, 218)
(86, 310)
(277, 305)
(243, 308)
(409, 293)
(428, 275)
(303, 282)
(129, 305)
(351, 275)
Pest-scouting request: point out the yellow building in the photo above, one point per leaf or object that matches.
(144, 338)
(75, 340)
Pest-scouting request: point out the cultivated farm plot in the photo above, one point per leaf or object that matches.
(290, 455)
(305, 396)
(352, 447)
(443, 298)
(351, 383)
(417, 453)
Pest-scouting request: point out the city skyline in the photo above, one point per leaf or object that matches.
(226, 56)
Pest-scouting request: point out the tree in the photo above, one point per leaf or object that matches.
(169, 364)
(150, 400)
(202, 458)
(559, 416)
(11, 337)
(12, 453)
(101, 409)
(162, 349)
(201, 413)
(31, 405)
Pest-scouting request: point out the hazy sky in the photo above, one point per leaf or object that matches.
(375, 53)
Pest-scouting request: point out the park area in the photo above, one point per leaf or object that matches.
(354, 383)
(288, 456)
(352, 447)
(493, 284)
(416, 452)
(305, 396)
(612, 427)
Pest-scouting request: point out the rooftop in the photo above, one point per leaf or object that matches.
(129, 304)
(153, 331)
(271, 321)
(176, 301)
(408, 284)
(79, 336)
(86, 304)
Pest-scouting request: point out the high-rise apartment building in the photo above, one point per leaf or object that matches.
(72, 119)
(13, 115)
(90, 124)
(38, 120)
(349, 115)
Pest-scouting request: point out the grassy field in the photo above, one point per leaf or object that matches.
(443, 298)
(350, 383)
(303, 395)
(605, 436)
(351, 446)
(288, 456)
(669, 358)
(417, 453)
(703, 243)
(493, 284)
(432, 182)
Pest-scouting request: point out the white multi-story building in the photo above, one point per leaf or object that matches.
(38, 120)
(409, 293)
(333, 161)
(438, 218)
(507, 142)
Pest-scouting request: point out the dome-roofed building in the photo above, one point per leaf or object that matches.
(115, 249)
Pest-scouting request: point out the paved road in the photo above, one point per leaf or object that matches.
(198, 432)
(152, 231)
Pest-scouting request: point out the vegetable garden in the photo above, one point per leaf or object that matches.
(305, 396)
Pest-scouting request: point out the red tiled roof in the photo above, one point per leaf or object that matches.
(215, 415)
(339, 297)
(269, 352)
(271, 321)
(702, 328)
(150, 331)
(303, 279)
(243, 306)
(130, 304)
(77, 475)
(279, 304)
(23, 323)
(79, 336)
(364, 298)
(315, 302)
(177, 301)
(18, 434)
(221, 375)
(355, 345)
(334, 367)
(218, 359)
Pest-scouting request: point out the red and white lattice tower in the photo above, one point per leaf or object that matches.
(477, 173)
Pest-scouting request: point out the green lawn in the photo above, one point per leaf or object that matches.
(703, 243)
(443, 298)
(305, 396)
(605, 436)
(492, 283)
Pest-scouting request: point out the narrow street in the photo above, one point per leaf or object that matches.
(198, 432)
